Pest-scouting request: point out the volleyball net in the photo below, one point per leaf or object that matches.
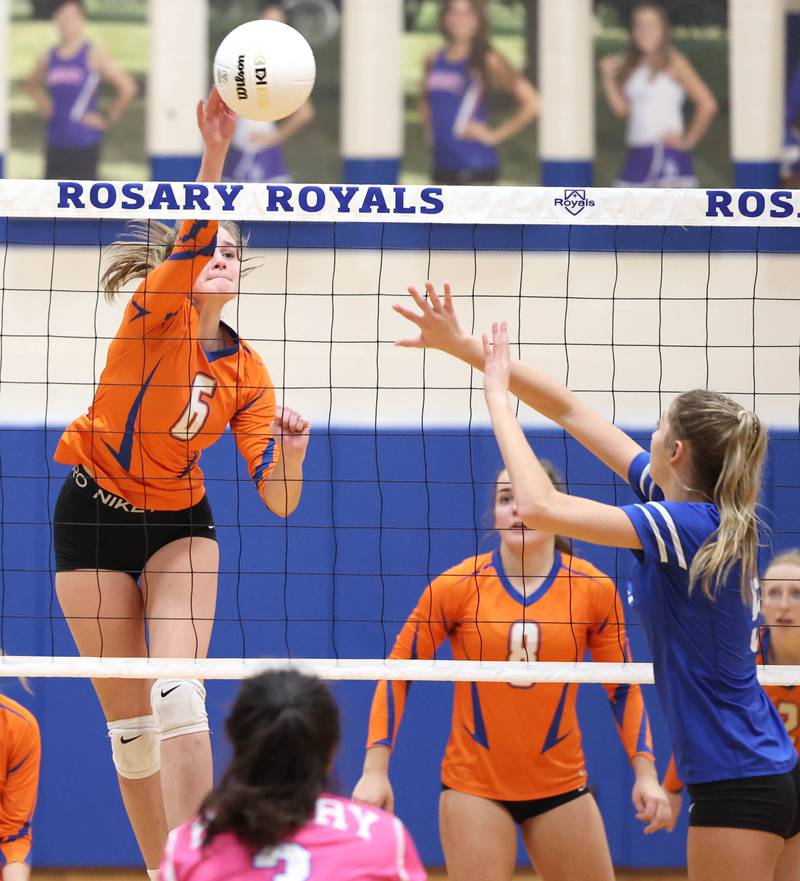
(629, 297)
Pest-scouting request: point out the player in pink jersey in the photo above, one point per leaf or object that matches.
(269, 818)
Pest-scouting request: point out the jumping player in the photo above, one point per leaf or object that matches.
(453, 110)
(269, 818)
(514, 756)
(20, 753)
(695, 540)
(134, 507)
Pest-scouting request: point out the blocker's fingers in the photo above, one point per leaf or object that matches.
(417, 297)
(407, 313)
(448, 297)
(433, 297)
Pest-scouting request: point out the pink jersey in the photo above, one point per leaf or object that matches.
(344, 841)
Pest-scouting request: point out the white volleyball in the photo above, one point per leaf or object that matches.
(264, 70)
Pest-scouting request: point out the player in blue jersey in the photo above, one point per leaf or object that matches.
(453, 109)
(694, 534)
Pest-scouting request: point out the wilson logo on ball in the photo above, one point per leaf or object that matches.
(241, 88)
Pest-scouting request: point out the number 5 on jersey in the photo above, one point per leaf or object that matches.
(194, 417)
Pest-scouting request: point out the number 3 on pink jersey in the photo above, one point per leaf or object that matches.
(296, 862)
(194, 417)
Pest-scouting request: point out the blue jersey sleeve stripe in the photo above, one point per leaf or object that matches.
(662, 548)
(641, 744)
(676, 541)
(619, 702)
(189, 254)
(645, 482)
(266, 460)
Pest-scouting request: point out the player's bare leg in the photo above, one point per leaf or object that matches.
(720, 854)
(550, 842)
(180, 585)
(788, 868)
(479, 838)
(105, 614)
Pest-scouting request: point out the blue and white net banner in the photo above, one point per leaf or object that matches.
(400, 204)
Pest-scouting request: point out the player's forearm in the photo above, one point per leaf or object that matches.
(121, 103)
(644, 767)
(40, 98)
(212, 164)
(525, 115)
(281, 491)
(701, 120)
(533, 489)
(296, 122)
(376, 760)
(546, 395)
(616, 101)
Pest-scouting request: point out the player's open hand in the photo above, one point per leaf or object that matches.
(216, 121)
(437, 321)
(291, 430)
(497, 363)
(652, 805)
(375, 789)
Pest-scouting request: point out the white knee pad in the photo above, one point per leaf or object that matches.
(179, 707)
(135, 746)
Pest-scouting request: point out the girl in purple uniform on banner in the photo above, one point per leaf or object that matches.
(649, 84)
(453, 109)
(64, 84)
(256, 151)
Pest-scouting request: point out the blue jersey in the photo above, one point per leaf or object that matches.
(723, 725)
(456, 98)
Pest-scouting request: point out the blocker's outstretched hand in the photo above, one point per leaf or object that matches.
(437, 321)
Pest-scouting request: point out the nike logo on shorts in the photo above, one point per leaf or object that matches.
(124, 739)
(170, 690)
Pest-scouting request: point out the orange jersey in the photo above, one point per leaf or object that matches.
(787, 702)
(162, 399)
(509, 742)
(20, 756)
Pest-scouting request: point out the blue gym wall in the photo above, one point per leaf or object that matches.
(263, 612)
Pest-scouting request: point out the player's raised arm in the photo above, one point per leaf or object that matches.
(439, 328)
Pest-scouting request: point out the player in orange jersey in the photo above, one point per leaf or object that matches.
(20, 753)
(134, 508)
(780, 644)
(514, 756)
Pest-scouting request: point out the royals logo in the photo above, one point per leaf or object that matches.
(574, 201)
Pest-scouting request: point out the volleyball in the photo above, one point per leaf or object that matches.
(264, 70)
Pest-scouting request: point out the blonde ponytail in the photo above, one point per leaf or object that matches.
(147, 245)
(727, 446)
